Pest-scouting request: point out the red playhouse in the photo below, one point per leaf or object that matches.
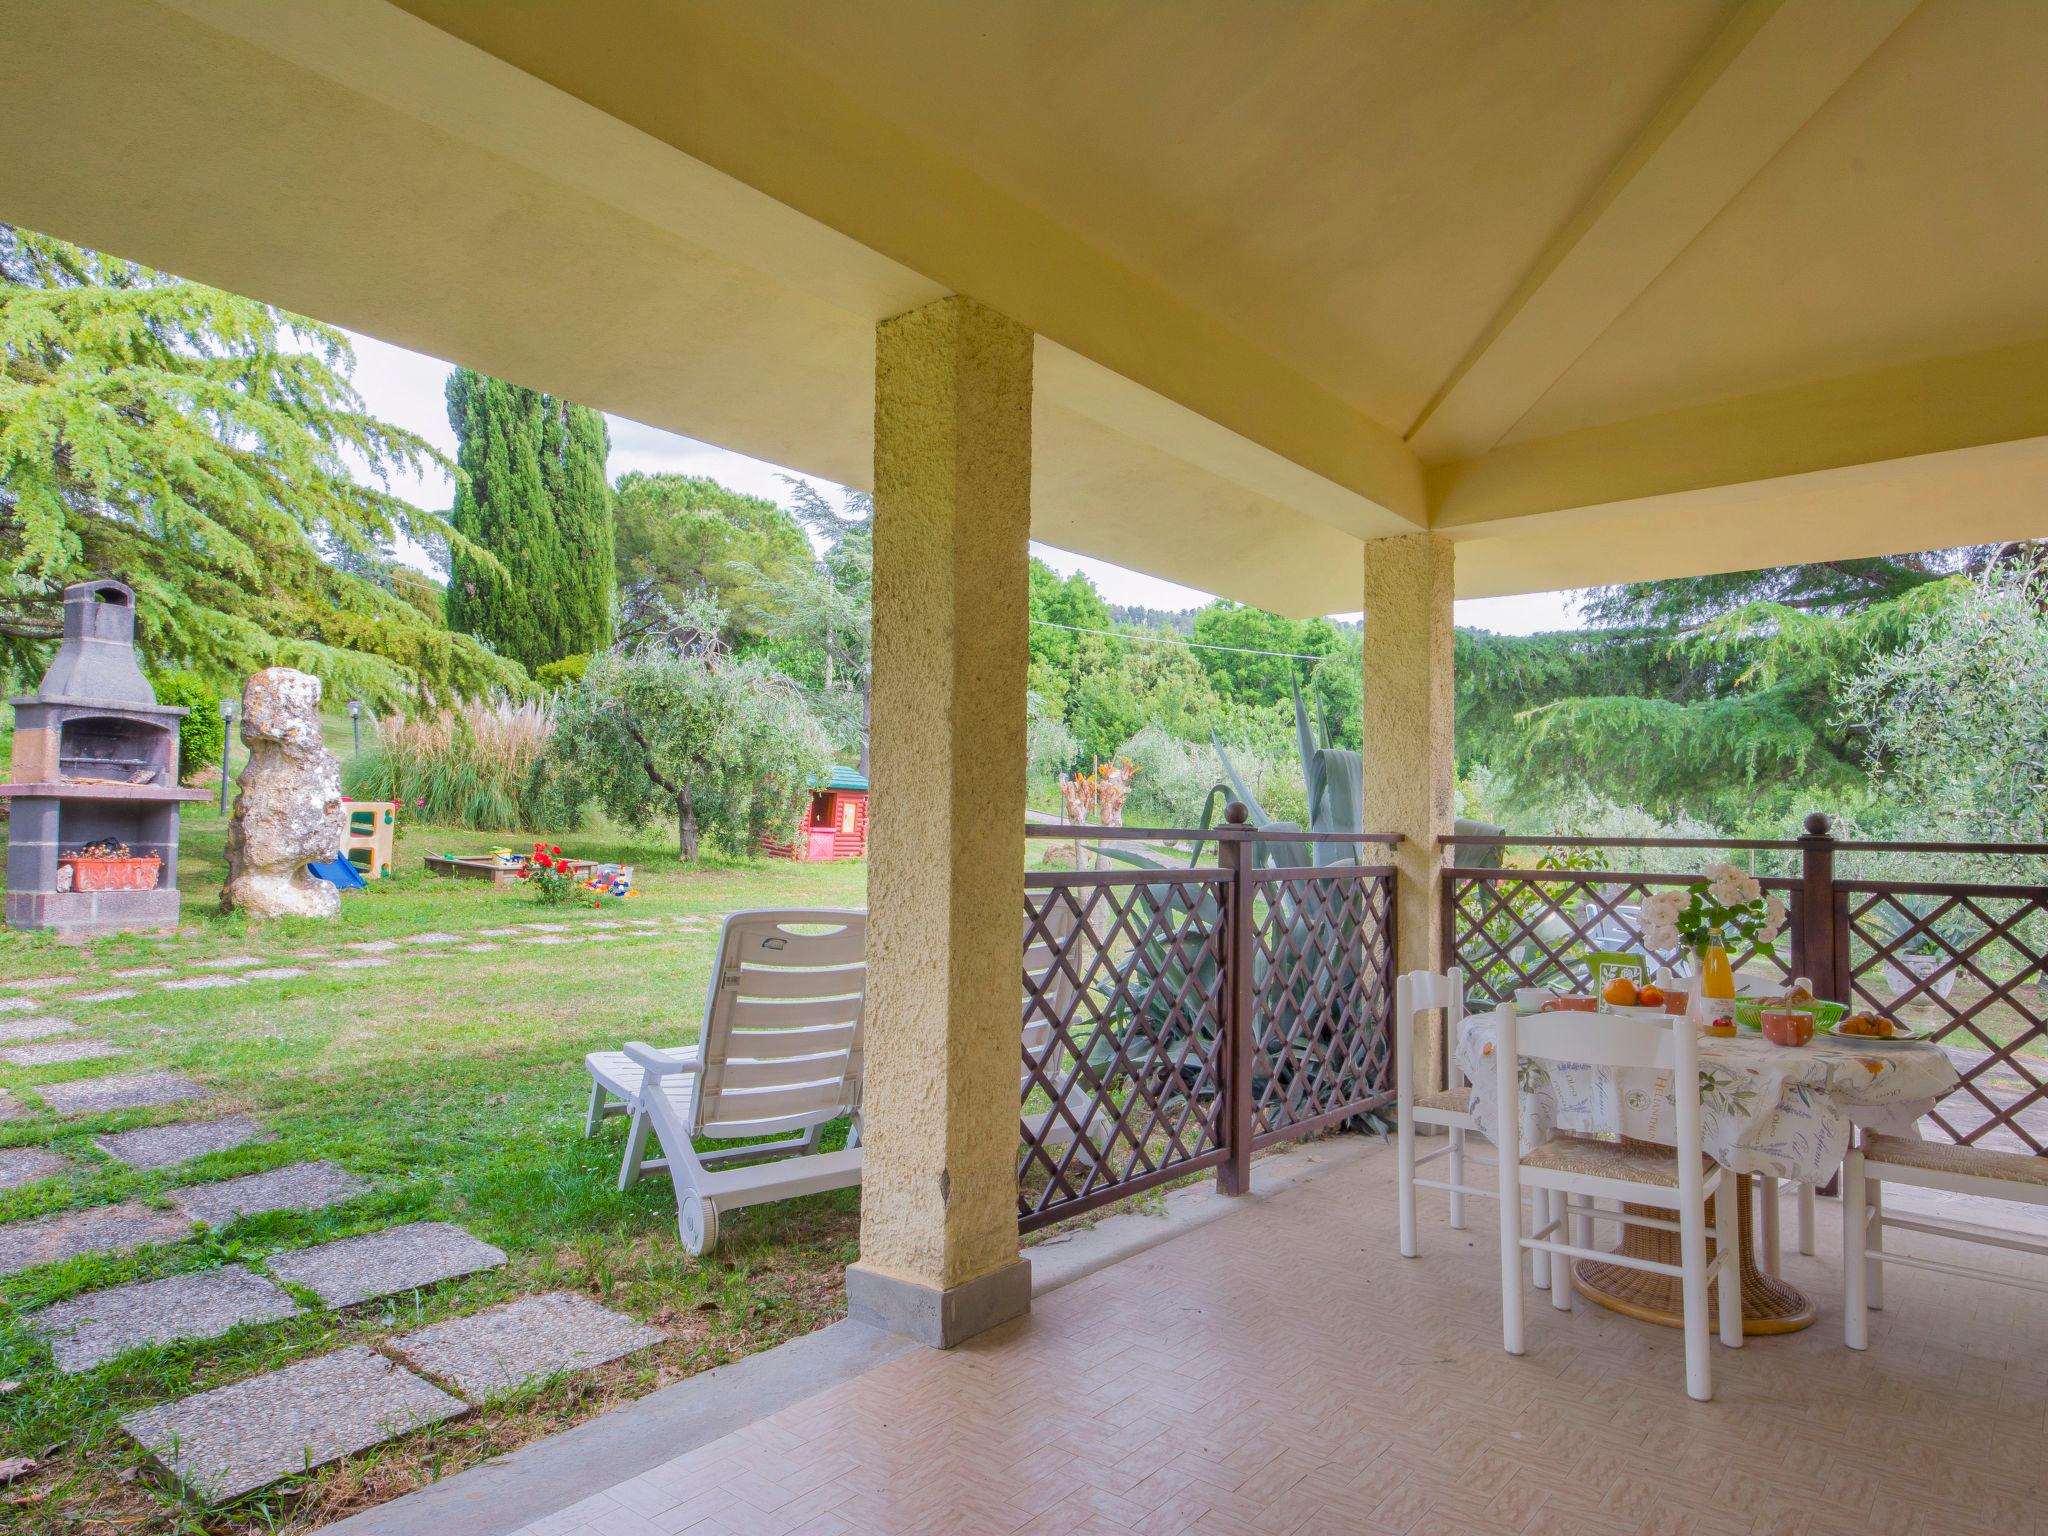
(836, 825)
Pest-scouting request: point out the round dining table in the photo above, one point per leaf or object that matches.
(1782, 1111)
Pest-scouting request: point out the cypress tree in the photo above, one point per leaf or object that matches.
(536, 498)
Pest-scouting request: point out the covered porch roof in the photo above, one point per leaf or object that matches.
(1600, 291)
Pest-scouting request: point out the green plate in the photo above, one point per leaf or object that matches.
(1749, 1013)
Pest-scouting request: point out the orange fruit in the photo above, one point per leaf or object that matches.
(1621, 992)
(1649, 997)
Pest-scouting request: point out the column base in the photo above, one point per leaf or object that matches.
(935, 1317)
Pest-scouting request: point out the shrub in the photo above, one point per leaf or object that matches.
(202, 733)
(467, 767)
(559, 674)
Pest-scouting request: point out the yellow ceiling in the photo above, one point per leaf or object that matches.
(1601, 289)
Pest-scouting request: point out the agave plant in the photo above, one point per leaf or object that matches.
(1304, 938)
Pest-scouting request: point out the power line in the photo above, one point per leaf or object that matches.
(1193, 645)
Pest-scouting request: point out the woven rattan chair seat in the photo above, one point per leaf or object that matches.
(1945, 1157)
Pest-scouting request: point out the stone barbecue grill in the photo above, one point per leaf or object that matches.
(95, 760)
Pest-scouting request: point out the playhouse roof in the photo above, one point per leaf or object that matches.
(841, 777)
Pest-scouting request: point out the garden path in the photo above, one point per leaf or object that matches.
(236, 1438)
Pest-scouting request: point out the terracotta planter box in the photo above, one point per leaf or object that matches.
(135, 874)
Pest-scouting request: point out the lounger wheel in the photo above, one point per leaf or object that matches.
(698, 1219)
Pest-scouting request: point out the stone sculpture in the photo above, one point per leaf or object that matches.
(289, 809)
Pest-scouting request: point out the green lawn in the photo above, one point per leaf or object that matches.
(455, 1084)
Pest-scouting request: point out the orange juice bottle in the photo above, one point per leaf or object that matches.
(1717, 987)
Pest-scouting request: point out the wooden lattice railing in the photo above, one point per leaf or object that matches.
(1967, 961)
(1177, 1019)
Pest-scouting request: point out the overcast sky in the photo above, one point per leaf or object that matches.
(405, 388)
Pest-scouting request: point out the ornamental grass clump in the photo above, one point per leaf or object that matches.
(467, 767)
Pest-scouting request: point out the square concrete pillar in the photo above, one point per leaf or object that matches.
(1409, 727)
(939, 1258)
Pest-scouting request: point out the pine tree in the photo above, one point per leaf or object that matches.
(534, 496)
(198, 445)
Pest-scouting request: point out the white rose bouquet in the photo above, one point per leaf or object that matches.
(1725, 904)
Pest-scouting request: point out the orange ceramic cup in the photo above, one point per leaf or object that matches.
(1785, 1026)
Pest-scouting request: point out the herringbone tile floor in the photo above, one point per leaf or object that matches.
(1284, 1372)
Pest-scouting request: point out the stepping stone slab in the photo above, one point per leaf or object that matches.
(296, 1187)
(481, 949)
(359, 963)
(495, 933)
(373, 946)
(384, 1263)
(234, 1439)
(165, 1146)
(200, 983)
(18, 1005)
(111, 995)
(38, 983)
(51, 1052)
(133, 1090)
(431, 938)
(24, 1165)
(99, 1325)
(11, 1108)
(103, 1229)
(227, 963)
(276, 973)
(495, 1351)
(37, 1028)
(141, 973)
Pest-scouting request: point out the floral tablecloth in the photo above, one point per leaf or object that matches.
(1763, 1108)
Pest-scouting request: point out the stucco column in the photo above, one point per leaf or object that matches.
(1409, 725)
(938, 1238)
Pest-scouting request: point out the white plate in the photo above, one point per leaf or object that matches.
(1903, 1034)
(1618, 1012)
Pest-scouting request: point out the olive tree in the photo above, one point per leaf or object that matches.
(725, 746)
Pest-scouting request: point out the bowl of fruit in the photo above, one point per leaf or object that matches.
(1629, 999)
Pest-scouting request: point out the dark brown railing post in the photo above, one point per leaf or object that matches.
(1814, 942)
(1234, 1174)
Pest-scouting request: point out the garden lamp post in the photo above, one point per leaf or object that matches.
(355, 724)
(227, 748)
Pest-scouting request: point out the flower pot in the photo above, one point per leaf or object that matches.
(97, 874)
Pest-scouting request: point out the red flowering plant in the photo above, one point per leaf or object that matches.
(550, 876)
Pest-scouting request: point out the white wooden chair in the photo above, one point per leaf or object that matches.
(1875, 1161)
(1417, 993)
(779, 1057)
(1567, 1174)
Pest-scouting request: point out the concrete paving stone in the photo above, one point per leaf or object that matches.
(358, 963)
(141, 973)
(90, 1329)
(132, 1090)
(311, 954)
(295, 1187)
(276, 973)
(109, 995)
(38, 983)
(431, 937)
(643, 922)
(200, 983)
(373, 946)
(11, 1108)
(495, 1351)
(100, 1229)
(238, 1438)
(554, 938)
(165, 1146)
(25, 1165)
(383, 1263)
(547, 927)
(38, 1027)
(484, 948)
(497, 933)
(18, 1004)
(51, 1052)
(228, 963)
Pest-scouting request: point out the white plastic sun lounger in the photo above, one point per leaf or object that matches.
(779, 1057)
